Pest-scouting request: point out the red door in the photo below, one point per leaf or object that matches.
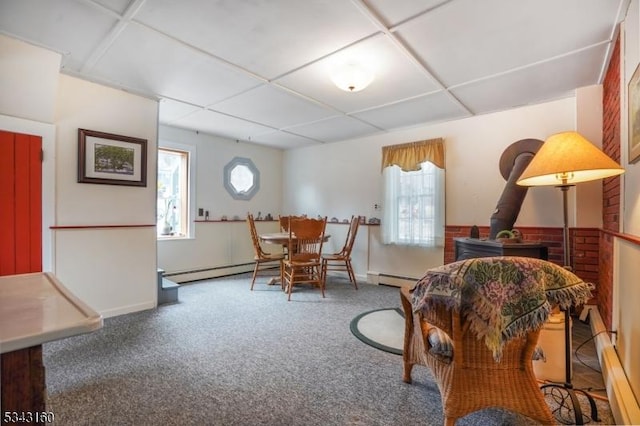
(21, 371)
(21, 208)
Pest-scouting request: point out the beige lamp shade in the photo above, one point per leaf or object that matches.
(568, 158)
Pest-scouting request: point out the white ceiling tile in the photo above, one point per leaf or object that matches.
(265, 37)
(65, 26)
(395, 11)
(220, 124)
(170, 110)
(418, 111)
(283, 140)
(267, 64)
(118, 6)
(145, 59)
(273, 106)
(334, 129)
(532, 84)
(494, 36)
(395, 77)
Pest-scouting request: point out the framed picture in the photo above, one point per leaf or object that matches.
(634, 116)
(111, 159)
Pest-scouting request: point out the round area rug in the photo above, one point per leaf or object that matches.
(381, 328)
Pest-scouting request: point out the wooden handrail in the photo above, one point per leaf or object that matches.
(627, 237)
(100, 226)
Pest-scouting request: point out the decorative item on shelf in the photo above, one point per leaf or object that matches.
(374, 221)
(509, 236)
(206, 215)
(345, 220)
(224, 218)
(475, 232)
(168, 209)
(363, 220)
(236, 217)
(166, 229)
(334, 220)
(268, 217)
(259, 217)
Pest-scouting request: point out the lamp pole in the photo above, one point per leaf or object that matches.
(567, 385)
(569, 157)
(567, 265)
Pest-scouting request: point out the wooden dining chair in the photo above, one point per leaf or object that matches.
(284, 223)
(341, 261)
(304, 262)
(264, 262)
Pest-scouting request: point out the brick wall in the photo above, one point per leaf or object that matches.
(585, 255)
(584, 247)
(611, 187)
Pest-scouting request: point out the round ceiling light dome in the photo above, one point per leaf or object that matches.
(352, 77)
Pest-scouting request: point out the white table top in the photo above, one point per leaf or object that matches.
(281, 237)
(36, 308)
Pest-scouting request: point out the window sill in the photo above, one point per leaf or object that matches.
(173, 238)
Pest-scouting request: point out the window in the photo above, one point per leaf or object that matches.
(173, 193)
(241, 178)
(414, 199)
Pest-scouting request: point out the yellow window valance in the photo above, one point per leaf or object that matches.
(408, 156)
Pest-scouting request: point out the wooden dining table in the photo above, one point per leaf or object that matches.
(281, 238)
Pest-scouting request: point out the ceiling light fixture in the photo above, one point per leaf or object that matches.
(352, 78)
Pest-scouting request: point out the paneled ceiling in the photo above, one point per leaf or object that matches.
(260, 70)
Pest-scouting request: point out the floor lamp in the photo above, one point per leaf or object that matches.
(563, 160)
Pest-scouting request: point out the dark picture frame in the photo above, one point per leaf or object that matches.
(633, 95)
(106, 158)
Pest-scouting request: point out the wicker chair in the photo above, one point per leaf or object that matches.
(471, 379)
(303, 265)
(264, 262)
(341, 261)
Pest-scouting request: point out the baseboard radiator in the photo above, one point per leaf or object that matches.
(389, 279)
(624, 405)
(199, 274)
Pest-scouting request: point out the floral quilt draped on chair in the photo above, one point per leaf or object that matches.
(501, 297)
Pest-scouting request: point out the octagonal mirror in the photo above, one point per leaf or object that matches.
(241, 178)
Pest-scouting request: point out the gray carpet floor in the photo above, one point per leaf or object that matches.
(224, 355)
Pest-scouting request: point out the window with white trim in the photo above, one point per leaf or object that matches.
(414, 206)
(173, 216)
(414, 194)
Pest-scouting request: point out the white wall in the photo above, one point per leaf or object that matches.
(589, 124)
(28, 80)
(344, 178)
(113, 269)
(28, 83)
(213, 153)
(218, 244)
(631, 178)
(626, 315)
